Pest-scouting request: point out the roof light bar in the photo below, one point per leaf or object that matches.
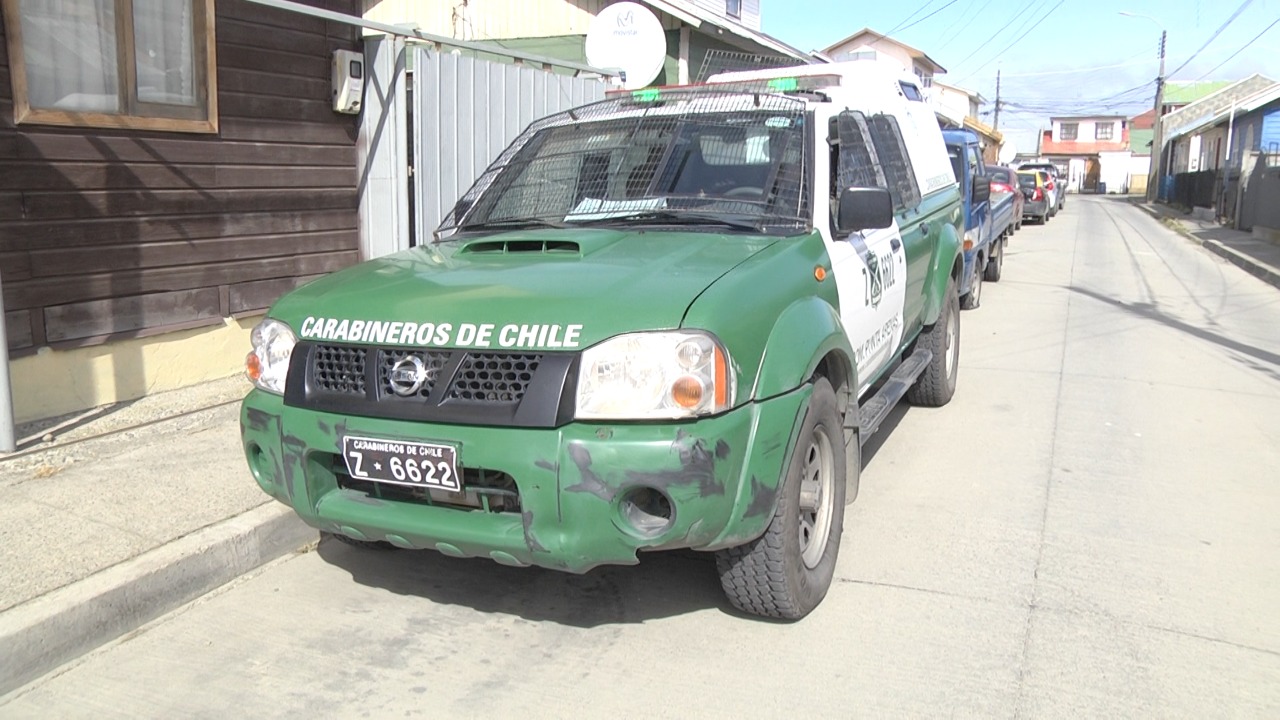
(781, 85)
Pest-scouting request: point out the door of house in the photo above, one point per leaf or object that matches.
(1092, 174)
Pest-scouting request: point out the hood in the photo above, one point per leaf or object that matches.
(539, 289)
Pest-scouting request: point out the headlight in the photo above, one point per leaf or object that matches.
(268, 364)
(654, 375)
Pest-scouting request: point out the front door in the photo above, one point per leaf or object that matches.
(869, 266)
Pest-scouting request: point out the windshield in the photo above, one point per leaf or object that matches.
(727, 161)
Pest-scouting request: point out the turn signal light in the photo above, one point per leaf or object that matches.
(252, 367)
(687, 392)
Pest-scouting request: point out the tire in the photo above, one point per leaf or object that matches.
(972, 300)
(363, 544)
(937, 383)
(996, 264)
(779, 574)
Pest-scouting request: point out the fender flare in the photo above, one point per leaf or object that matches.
(811, 328)
(945, 257)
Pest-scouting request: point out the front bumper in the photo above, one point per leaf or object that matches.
(720, 476)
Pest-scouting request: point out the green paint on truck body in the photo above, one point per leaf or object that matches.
(761, 290)
(715, 471)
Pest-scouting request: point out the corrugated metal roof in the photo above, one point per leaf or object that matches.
(1219, 112)
(695, 15)
(1183, 92)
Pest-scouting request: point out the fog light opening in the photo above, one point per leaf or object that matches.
(256, 458)
(647, 511)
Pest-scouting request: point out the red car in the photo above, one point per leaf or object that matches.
(1005, 180)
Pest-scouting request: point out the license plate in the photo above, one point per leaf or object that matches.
(403, 463)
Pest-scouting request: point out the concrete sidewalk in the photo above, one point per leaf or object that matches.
(113, 517)
(1259, 257)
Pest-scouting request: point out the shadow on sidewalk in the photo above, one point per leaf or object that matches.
(664, 584)
(1271, 360)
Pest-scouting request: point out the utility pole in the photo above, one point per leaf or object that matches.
(995, 124)
(1157, 139)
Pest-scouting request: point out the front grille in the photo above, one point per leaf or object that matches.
(340, 369)
(459, 386)
(433, 361)
(494, 377)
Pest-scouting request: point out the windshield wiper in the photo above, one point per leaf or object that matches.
(672, 217)
(514, 224)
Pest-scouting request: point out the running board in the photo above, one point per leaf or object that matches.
(877, 408)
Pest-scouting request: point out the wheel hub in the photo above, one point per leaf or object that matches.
(817, 478)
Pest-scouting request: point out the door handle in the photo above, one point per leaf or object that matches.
(924, 229)
(895, 243)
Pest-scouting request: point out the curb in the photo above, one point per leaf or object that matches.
(1244, 262)
(1239, 259)
(45, 633)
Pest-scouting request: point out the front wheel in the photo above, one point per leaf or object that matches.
(996, 264)
(787, 571)
(935, 386)
(972, 300)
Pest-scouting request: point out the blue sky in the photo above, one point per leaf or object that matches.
(1056, 57)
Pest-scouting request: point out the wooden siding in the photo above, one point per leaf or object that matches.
(111, 233)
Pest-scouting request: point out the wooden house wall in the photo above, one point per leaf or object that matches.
(107, 234)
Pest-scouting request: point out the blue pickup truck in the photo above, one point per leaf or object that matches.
(989, 219)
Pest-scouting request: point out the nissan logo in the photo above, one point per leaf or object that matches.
(408, 375)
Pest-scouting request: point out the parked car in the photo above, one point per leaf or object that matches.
(1056, 187)
(988, 217)
(1005, 180)
(1035, 199)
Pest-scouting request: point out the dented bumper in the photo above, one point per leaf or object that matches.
(577, 485)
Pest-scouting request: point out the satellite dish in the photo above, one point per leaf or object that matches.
(627, 36)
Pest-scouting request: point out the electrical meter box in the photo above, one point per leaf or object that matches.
(348, 81)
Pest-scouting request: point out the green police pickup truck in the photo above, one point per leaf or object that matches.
(664, 320)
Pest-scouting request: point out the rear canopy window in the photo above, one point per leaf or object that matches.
(999, 175)
(1026, 181)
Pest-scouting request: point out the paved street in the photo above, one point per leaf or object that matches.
(1091, 528)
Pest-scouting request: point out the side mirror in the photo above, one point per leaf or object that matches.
(864, 208)
(981, 188)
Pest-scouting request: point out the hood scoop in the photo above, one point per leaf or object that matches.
(522, 247)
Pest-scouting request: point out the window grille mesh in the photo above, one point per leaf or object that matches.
(892, 151)
(695, 156)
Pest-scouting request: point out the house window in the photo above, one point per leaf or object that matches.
(733, 8)
(1070, 131)
(139, 64)
(1104, 131)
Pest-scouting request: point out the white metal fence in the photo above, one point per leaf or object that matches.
(466, 110)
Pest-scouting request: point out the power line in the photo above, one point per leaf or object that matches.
(1213, 37)
(1017, 40)
(1025, 9)
(907, 19)
(959, 32)
(1242, 49)
(1079, 70)
(935, 12)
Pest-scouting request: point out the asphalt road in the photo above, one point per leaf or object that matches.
(1090, 529)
